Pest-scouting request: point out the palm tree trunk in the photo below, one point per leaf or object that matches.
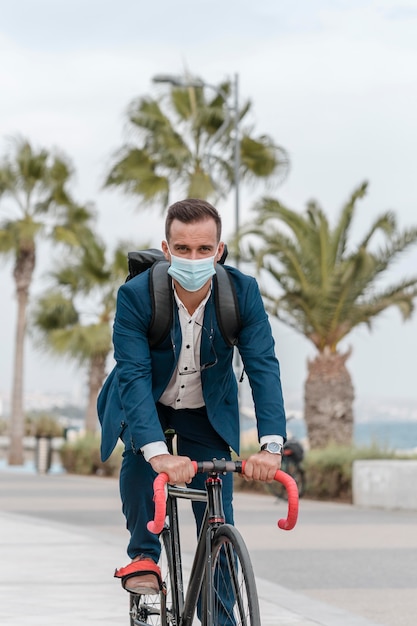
(328, 400)
(96, 377)
(23, 272)
(17, 421)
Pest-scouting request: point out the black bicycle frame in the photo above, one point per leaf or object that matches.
(214, 516)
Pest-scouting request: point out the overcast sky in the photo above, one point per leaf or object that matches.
(334, 82)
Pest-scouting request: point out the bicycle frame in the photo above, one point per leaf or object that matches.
(185, 603)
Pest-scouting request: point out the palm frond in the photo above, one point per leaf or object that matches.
(342, 229)
(318, 282)
(187, 140)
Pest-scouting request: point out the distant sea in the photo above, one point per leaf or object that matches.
(391, 435)
(385, 434)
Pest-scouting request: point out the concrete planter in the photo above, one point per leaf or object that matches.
(387, 484)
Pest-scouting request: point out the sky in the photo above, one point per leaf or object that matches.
(333, 82)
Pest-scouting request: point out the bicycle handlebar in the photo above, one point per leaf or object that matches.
(221, 467)
(290, 485)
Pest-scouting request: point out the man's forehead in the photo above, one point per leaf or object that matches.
(200, 230)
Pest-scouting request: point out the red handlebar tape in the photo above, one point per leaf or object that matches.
(292, 493)
(159, 497)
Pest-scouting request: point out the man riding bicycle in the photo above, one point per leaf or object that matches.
(187, 383)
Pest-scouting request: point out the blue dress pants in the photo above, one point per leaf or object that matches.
(195, 438)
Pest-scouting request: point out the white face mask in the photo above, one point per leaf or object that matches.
(192, 274)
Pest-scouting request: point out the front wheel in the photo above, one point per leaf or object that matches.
(230, 598)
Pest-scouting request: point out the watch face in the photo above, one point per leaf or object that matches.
(273, 447)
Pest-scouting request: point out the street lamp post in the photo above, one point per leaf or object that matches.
(237, 166)
(232, 112)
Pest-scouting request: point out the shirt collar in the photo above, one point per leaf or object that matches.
(182, 306)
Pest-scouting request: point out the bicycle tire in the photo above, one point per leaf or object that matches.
(233, 597)
(156, 610)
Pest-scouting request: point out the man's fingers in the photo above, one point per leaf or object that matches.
(262, 467)
(178, 468)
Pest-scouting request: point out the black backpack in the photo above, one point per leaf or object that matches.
(227, 308)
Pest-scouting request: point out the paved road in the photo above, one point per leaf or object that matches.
(341, 565)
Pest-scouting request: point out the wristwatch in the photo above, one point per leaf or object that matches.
(273, 447)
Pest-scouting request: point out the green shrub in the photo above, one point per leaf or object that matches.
(328, 473)
(43, 425)
(82, 456)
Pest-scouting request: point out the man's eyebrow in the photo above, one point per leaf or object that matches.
(186, 245)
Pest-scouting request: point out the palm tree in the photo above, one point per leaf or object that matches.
(34, 196)
(175, 142)
(72, 319)
(328, 287)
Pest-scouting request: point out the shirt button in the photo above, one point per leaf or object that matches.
(188, 346)
(178, 400)
(182, 387)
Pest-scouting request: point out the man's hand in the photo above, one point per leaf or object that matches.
(262, 466)
(179, 468)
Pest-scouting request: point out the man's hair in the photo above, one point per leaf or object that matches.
(192, 210)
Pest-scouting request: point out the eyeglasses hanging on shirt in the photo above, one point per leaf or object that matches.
(204, 366)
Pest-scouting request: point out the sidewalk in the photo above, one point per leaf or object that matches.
(59, 546)
(53, 574)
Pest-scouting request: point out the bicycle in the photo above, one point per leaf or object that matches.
(221, 588)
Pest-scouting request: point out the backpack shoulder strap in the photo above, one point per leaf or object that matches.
(160, 287)
(227, 306)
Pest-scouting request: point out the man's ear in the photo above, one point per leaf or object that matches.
(220, 250)
(165, 250)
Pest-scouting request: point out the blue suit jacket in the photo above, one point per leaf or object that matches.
(140, 376)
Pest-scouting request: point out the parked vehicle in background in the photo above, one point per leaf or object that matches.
(292, 458)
